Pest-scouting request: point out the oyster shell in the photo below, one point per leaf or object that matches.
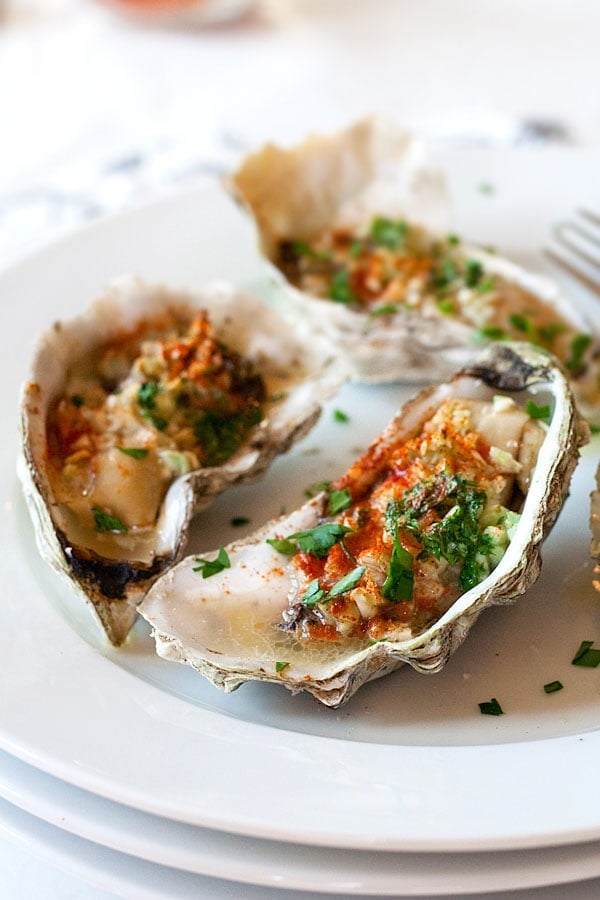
(111, 563)
(245, 623)
(328, 214)
(595, 528)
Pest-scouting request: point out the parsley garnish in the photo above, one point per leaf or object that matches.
(490, 333)
(280, 666)
(456, 536)
(340, 416)
(339, 500)
(340, 289)
(314, 593)
(586, 656)
(320, 539)
(525, 325)
(210, 567)
(579, 345)
(134, 452)
(399, 581)
(146, 397)
(287, 547)
(386, 309)
(491, 708)
(316, 488)
(348, 582)
(473, 273)
(537, 412)
(220, 436)
(446, 306)
(77, 400)
(388, 233)
(453, 240)
(105, 522)
(552, 687)
(301, 248)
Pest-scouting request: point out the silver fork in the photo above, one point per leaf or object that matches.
(578, 243)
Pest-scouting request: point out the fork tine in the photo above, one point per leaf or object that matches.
(581, 243)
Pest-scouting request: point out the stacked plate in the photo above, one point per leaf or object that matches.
(406, 790)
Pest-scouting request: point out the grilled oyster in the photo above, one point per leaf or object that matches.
(355, 228)
(443, 516)
(139, 412)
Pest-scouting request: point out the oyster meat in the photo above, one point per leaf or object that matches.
(143, 409)
(442, 516)
(358, 244)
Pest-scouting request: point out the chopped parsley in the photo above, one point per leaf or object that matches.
(399, 581)
(388, 233)
(491, 333)
(446, 306)
(491, 708)
(485, 187)
(348, 582)
(586, 656)
(320, 539)
(105, 522)
(146, 397)
(280, 666)
(340, 416)
(134, 452)
(285, 546)
(537, 412)
(525, 325)
(77, 400)
(386, 309)
(579, 345)
(456, 536)
(210, 567)
(339, 500)
(316, 488)
(314, 593)
(552, 687)
(340, 289)
(220, 436)
(473, 273)
(301, 248)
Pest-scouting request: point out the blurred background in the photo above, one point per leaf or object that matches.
(104, 103)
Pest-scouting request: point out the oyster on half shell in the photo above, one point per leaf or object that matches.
(140, 411)
(355, 227)
(442, 516)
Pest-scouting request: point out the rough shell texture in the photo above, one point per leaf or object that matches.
(298, 374)
(595, 528)
(226, 626)
(346, 179)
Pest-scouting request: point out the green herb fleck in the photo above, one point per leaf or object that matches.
(320, 539)
(301, 248)
(339, 500)
(210, 567)
(105, 522)
(340, 416)
(340, 289)
(537, 412)
(314, 593)
(388, 233)
(386, 309)
(579, 345)
(491, 708)
(490, 333)
(399, 581)
(486, 188)
(134, 452)
(586, 656)
(525, 325)
(486, 285)
(552, 687)
(146, 397)
(473, 273)
(446, 306)
(453, 240)
(220, 436)
(348, 582)
(550, 330)
(77, 400)
(287, 547)
(595, 429)
(280, 666)
(316, 488)
(356, 248)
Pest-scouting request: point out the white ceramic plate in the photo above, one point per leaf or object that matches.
(274, 864)
(409, 764)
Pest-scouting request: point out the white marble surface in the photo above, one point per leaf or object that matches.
(98, 113)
